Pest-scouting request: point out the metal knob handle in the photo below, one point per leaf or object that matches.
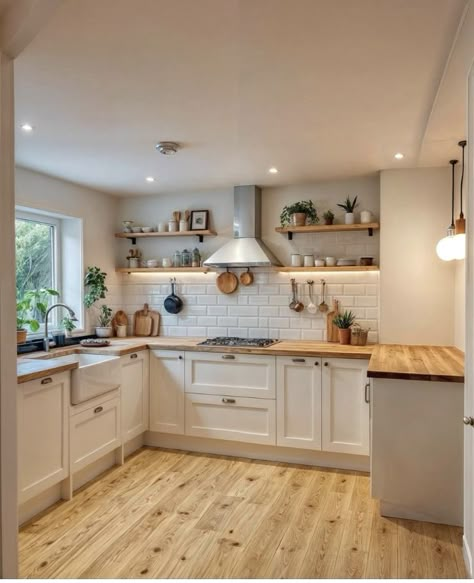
(98, 410)
(228, 357)
(299, 360)
(316, 363)
(47, 381)
(326, 364)
(134, 356)
(180, 357)
(226, 400)
(468, 421)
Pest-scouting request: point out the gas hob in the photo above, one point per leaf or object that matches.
(235, 341)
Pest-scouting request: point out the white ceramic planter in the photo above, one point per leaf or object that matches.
(349, 218)
(103, 332)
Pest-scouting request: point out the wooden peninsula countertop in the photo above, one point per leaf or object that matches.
(418, 363)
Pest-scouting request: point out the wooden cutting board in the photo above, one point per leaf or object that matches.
(227, 282)
(155, 316)
(142, 322)
(332, 331)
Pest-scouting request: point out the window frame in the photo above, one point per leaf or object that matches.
(50, 221)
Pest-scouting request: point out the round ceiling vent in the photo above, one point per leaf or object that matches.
(167, 148)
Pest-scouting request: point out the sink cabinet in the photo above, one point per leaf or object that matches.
(134, 394)
(43, 438)
(95, 430)
(167, 391)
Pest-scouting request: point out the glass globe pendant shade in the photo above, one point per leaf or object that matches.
(445, 248)
(459, 246)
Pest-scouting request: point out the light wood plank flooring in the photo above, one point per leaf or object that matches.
(168, 514)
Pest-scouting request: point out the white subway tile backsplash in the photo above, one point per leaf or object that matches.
(262, 308)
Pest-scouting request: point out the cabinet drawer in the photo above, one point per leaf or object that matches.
(236, 419)
(238, 375)
(94, 432)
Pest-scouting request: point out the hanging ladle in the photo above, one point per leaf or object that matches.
(323, 307)
(311, 307)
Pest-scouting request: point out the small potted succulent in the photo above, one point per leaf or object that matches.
(299, 214)
(349, 207)
(104, 319)
(328, 217)
(344, 323)
(68, 324)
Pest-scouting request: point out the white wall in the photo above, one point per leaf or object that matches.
(261, 309)
(97, 211)
(416, 287)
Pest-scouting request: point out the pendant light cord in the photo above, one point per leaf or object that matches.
(463, 145)
(453, 163)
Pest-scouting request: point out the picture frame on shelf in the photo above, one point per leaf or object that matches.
(199, 220)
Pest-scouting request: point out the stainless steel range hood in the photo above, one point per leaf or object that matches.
(246, 249)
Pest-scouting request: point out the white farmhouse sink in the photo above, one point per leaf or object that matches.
(97, 374)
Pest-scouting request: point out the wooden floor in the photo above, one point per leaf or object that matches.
(167, 514)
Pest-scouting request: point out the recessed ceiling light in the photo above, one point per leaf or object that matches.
(150, 179)
(26, 127)
(399, 156)
(273, 170)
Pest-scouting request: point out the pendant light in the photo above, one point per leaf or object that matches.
(460, 238)
(446, 248)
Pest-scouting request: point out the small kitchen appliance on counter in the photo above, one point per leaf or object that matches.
(236, 341)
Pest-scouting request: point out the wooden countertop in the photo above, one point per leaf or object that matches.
(38, 364)
(420, 363)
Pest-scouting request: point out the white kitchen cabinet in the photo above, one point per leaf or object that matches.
(299, 402)
(134, 394)
(43, 440)
(345, 407)
(238, 375)
(241, 419)
(95, 429)
(167, 391)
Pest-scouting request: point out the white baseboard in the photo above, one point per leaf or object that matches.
(466, 551)
(260, 452)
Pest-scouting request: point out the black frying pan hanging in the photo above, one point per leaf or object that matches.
(173, 303)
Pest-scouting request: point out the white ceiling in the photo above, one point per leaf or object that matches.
(320, 89)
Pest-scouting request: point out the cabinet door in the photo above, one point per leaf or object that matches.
(299, 402)
(134, 391)
(234, 418)
(94, 432)
(43, 440)
(167, 391)
(345, 413)
(235, 375)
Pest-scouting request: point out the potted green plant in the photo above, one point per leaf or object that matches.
(344, 323)
(30, 309)
(104, 319)
(68, 324)
(349, 207)
(299, 214)
(328, 217)
(94, 282)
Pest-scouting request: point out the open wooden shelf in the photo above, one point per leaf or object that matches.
(199, 234)
(162, 269)
(369, 227)
(336, 268)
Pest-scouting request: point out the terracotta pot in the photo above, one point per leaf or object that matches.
(298, 219)
(20, 336)
(328, 221)
(344, 335)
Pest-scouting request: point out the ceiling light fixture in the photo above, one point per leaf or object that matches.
(26, 127)
(150, 179)
(446, 247)
(167, 148)
(399, 156)
(273, 170)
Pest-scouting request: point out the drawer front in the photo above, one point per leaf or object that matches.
(238, 375)
(94, 433)
(236, 419)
